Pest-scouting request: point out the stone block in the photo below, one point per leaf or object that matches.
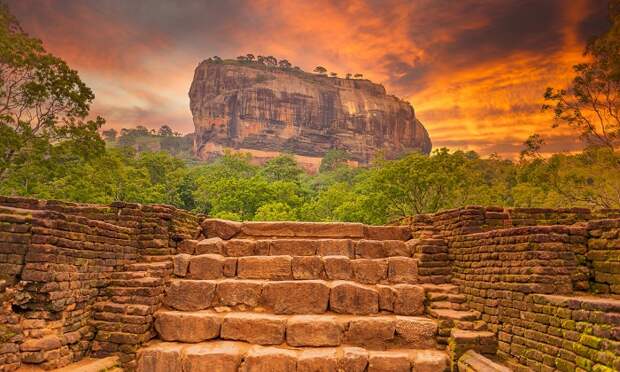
(370, 332)
(189, 295)
(292, 247)
(160, 357)
(382, 361)
(239, 248)
(402, 270)
(214, 227)
(369, 271)
(264, 267)
(181, 264)
(369, 249)
(206, 266)
(213, 357)
(335, 247)
(337, 267)
(239, 292)
(323, 360)
(269, 359)
(296, 297)
(349, 298)
(409, 299)
(432, 361)
(387, 232)
(262, 329)
(307, 267)
(210, 246)
(313, 330)
(417, 333)
(353, 359)
(186, 326)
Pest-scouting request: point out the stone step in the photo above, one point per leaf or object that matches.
(311, 230)
(150, 266)
(371, 332)
(456, 315)
(133, 291)
(284, 267)
(441, 288)
(92, 365)
(137, 282)
(129, 309)
(295, 297)
(128, 275)
(439, 296)
(448, 305)
(231, 356)
(298, 247)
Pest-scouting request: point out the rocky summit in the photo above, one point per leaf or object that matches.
(265, 110)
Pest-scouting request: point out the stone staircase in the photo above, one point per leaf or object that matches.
(295, 297)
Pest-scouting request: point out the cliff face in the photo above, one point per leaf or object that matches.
(268, 110)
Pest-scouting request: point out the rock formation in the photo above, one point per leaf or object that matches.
(267, 110)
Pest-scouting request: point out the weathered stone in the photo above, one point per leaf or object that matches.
(240, 247)
(353, 359)
(348, 298)
(187, 246)
(264, 267)
(41, 344)
(402, 270)
(186, 326)
(206, 266)
(189, 295)
(312, 230)
(269, 359)
(310, 267)
(239, 292)
(210, 246)
(213, 357)
(313, 330)
(322, 360)
(381, 361)
(337, 267)
(335, 247)
(409, 299)
(254, 328)
(417, 332)
(262, 116)
(369, 249)
(388, 232)
(370, 332)
(181, 264)
(160, 357)
(369, 271)
(292, 247)
(214, 227)
(296, 297)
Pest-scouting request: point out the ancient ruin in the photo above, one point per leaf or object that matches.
(251, 107)
(152, 288)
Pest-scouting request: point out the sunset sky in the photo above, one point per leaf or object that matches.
(474, 70)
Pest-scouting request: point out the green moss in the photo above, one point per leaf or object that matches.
(5, 333)
(591, 341)
(568, 324)
(584, 363)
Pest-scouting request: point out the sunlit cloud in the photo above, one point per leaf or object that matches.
(474, 70)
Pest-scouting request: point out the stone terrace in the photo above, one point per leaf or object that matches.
(152, 288)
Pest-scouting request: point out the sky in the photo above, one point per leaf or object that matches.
(474, 70)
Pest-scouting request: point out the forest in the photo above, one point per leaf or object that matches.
(52, 148)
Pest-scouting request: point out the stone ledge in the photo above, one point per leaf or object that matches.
(471, 361)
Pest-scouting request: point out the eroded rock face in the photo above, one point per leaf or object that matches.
(265, 111)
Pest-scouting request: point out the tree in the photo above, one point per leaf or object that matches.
(110, 134)
(284, 64)
(320, 70)
(532, 146)
(591, 104)
(358, 76)
(242, 59)
(165, 131)
(43, 107)
(249, 57)
(271, 61)
(260, 59)
(333, 159)
(333, 74)
(281, 168)
(349, 75)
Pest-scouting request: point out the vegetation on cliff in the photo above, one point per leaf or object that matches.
(48, 149)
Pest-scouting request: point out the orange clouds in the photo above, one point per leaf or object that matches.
(475, 70)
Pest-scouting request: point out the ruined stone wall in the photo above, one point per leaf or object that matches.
(57, 261)
(534, 285)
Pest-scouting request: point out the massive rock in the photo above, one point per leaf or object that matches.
(267, 110)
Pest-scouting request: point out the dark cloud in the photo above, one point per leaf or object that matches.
(475, 69)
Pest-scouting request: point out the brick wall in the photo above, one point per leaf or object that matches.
(56, 261)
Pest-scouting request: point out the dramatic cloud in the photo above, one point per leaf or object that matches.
(474, 70)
